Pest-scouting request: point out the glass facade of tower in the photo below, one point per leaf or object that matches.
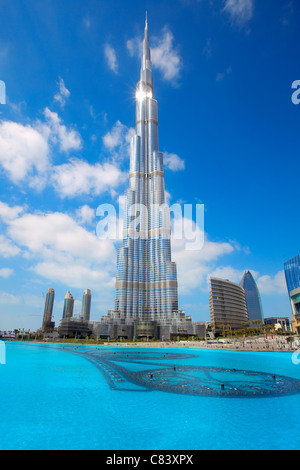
(292, 275)
(254, 305)
(146, 282)
(48, 311)
(146, 278)
(68, 306)
(86, 305)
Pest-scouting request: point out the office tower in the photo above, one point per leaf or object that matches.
(68, 306)
(292, 275)
(48, 311)
(146, 279)
(228, 306)
(254, 305)
(279, 323)
(86, 305)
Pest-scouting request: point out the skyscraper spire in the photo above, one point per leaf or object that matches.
(146, 71)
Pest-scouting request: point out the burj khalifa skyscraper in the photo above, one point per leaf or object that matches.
(146, 280)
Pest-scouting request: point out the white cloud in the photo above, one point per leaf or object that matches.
(7, 248)
(6, 272)
(227, 272)
(135, 47)
(8, 213)
(194, 266)
(68, 139)
(85, 215)
(75, 275)
(116, 137)
(25, 157)
(58, 234)
(164, 55)
(173, 162)
(119, 136)
(240, 11)
(111, 58)
(24, 152)
(78, 177)
(270, 285)
(168, 197)
(63, 94)
(8, 299)
(117, 141)
(62, 250)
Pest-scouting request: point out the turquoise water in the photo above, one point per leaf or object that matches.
(53, 399)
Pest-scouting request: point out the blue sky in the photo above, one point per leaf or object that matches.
(223, 73)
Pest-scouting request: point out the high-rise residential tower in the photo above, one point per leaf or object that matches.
(68, 306)
(48, 311)
(253, 299)
(146, 279)
(86, 305)
(228, 307)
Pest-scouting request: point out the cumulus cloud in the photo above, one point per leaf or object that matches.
(8, 213)
(68, 139)
(165, 55)
(24, 152)
(75, 275)
(227, 272)
(60, 249)
(116, 136)
(194, 266)
(85, 215)
(117, 141)
(47, 234)
(7, 248)
(78, 177)
(173, 162)
(272, 284)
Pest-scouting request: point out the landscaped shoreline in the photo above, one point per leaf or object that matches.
(276, 344)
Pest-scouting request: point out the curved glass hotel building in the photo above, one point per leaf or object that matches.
(146, 295)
